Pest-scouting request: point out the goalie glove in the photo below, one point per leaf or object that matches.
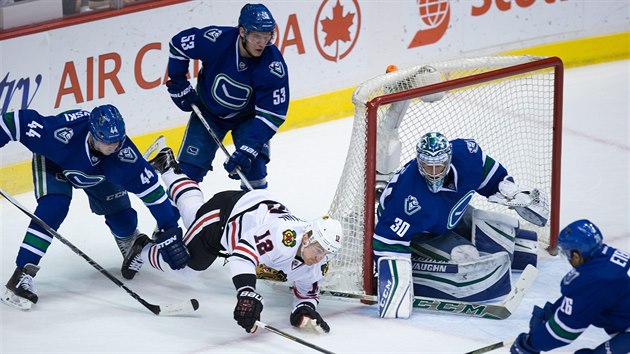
(530, 204)
(305, 316)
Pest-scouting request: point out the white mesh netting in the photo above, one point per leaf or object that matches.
(511, 118)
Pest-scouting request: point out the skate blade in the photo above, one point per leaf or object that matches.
(15, 301)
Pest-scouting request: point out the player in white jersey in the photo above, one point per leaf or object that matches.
(253, 230)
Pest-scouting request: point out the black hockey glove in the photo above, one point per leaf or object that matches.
(241, 158)
(304, 315)
(171, 248)
(521, 345)
(249, 305)
(183, 94)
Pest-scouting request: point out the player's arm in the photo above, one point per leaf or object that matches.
(29, 128)
(305, 300)
(183, 47)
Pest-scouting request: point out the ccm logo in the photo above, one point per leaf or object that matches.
(504, 5)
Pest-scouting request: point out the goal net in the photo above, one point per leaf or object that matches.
(511, 105)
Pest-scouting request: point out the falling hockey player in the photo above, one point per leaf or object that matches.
(459, 252)
(254, 230)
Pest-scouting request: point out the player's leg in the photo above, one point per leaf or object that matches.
(198, 148)
(53, 193)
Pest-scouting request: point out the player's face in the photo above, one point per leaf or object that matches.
(255, 42)
(107, 149)
(433, 171)
(313, 253)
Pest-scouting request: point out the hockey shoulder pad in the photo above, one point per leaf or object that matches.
(395, 287)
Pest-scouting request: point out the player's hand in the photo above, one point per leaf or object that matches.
(171, 248)
(304, 315)
(183, 94)
(249, 305)
(540, 316)
(241, 158)
(521, 345)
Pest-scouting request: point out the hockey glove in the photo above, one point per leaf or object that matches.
(183, 94)
(241, 158)
(304, 315)
(249, 305)
(521, 345)
(530, 203)
(540, 316)
(170, 245)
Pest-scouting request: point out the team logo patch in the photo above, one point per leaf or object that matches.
(265, 272)
(81, 180)
(411, 205)
(458, 210)
(472, 146)
(127, 155)
(325, 268)
(277, 69)
(212, 34)
(571, 276)
(288, 238)
(64, 134)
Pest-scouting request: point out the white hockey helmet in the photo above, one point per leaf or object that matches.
(327, 232)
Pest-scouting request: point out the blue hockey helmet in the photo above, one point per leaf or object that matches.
(107, 125)
(434, 153)
(582, 236)
(256, 18)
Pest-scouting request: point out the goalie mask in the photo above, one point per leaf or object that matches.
(582, 236)
(327, 232)
(433, 154)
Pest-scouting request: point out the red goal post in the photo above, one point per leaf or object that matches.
(511, 105)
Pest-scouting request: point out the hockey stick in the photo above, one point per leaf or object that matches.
(491, 347)
(220, 144)
(158, 144)
(293, 338)
(491, 311)
(172, 309)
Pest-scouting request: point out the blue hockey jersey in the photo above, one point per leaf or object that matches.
(407, 206)
(63, 139)
(232, 87)
(595, 293)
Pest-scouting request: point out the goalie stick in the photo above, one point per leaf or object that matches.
(491, 347)
(490, 311)
(220, 144)
(168, 310)
(293, 338)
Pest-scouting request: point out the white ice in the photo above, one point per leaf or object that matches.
(81, 311)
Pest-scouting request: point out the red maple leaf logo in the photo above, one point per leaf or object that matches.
(337, 28)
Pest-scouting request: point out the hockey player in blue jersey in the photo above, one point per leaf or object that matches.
(242, 87)
(596, 292)
(89, 151)
(425, 206)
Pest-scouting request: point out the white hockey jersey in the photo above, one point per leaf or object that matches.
(261, 231)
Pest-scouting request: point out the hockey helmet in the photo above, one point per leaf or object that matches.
(327, 232)
(256, 18)
(582, 236)
(107, 125)
(434, 153)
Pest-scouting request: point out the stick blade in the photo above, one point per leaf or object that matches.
(155, 147)
(521, 287)
(183, 308)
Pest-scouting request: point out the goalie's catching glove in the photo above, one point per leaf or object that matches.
(171, 248)
(183, 94)
(304, 315)
(241, 158)
(530, 203)
(249, 305)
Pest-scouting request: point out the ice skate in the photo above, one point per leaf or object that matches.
(164, 161)
(20, 290)
(133, 261)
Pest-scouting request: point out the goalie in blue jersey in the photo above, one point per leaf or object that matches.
(596, 292)
(88, 151)
(242, 87)
(459, 252)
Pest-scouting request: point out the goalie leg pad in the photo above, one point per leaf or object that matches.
(395, 290)
(493, 232)
(446, 247)
(525, 249)
(482, 279)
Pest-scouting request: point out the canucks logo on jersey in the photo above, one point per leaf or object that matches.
(411, 205)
